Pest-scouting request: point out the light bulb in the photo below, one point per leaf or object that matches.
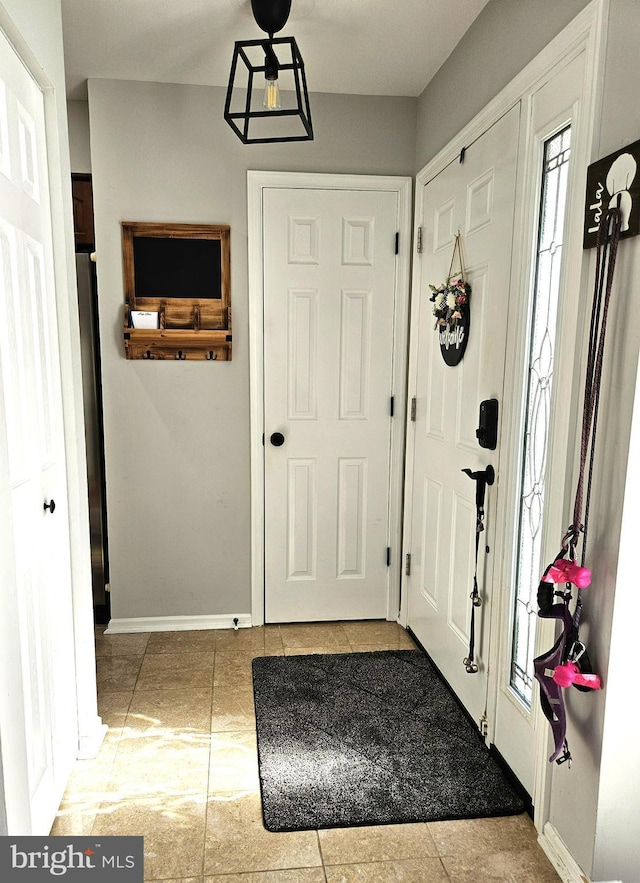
(271, 90)
(271, 94)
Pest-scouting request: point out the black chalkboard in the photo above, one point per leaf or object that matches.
(174, 267)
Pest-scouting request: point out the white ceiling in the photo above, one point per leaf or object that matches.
(362, 47)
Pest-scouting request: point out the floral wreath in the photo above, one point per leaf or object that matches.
(451, 297)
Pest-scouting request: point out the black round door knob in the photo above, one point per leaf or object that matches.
(277, 439)
(51, 506)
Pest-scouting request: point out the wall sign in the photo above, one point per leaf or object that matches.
(611, 181)
(450, 302)
(453, 339)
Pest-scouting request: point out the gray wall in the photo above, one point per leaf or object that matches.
(609, 776)
(503, 39)
(79, 144)
(177, 434)
(595, 806)
(618, 812)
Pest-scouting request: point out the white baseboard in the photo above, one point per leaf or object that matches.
(88, 746)
(556, 851)
(177, 623)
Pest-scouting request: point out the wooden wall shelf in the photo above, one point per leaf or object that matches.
(180, 275)
(143, 343)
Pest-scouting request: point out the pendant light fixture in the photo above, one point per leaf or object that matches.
(267, 99)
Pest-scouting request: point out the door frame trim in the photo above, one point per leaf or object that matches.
(257, 182)
(587, 32)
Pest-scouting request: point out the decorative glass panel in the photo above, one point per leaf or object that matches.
(538, 408)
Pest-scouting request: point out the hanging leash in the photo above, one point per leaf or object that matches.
(482, 479)
(567, 663)
(605, 266)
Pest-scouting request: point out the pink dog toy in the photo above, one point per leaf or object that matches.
(565, 571)
(569, 673)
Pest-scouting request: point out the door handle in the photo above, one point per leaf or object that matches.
(277, 439)
(482, 478)
(51, 506)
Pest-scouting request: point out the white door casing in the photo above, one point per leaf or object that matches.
(475, 198)
(322, 256)
(32, 419)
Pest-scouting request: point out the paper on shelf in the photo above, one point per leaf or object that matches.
(145, 319)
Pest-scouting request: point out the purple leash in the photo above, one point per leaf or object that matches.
(567, 644)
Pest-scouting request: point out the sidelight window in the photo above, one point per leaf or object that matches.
(544, 309)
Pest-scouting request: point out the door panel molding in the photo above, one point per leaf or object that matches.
(257, 183)
(303, 343)
(301, 519)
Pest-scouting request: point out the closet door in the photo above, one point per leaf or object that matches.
(329, 305)
(31, 392)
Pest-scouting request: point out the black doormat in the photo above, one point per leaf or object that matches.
(368, 739)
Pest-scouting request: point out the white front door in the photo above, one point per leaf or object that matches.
(30, 377)
(329, 312)
(476, 198)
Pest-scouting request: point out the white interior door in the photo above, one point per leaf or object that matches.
(477, 199)
(329, 296)
(30, 377)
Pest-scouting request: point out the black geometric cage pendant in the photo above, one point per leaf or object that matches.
(273, 106)
(246, 108)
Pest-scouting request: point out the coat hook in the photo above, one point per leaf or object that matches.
(211, 356)
(147, 355)
(181, 356)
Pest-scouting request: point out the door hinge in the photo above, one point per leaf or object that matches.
(419, 241)
(484, 726)
(388, 556)
(398, 242)
(407, 564)
(414, 405)
(391, 406)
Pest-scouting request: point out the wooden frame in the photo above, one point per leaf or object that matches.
(197, 327)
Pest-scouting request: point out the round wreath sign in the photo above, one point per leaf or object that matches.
(451, 308)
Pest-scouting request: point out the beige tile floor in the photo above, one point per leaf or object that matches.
(179, 766)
